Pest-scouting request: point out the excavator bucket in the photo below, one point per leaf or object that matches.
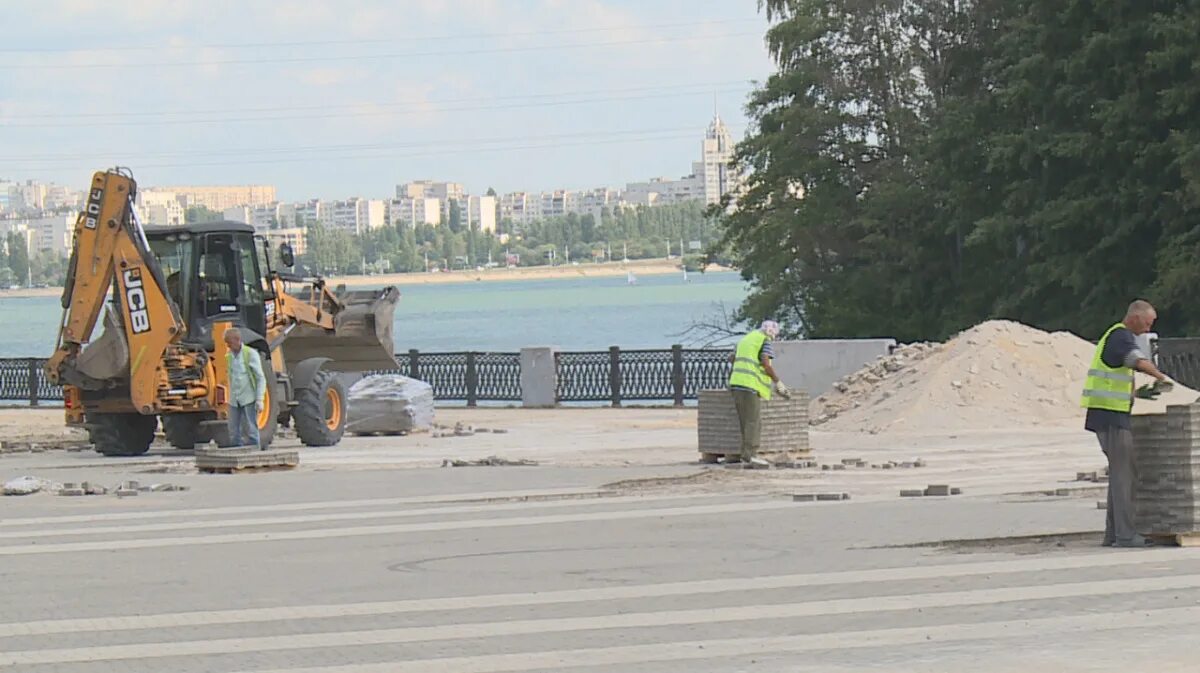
(362, 337)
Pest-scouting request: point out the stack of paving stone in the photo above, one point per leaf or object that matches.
(784, 425)
(241, 458)
(1167, 450)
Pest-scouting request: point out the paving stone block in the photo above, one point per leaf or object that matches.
(912, 493)
(937, 490)
(804, 497)
(956, 491)
(833, 496)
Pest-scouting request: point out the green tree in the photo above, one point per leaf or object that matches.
(455, 220)
(18, 257)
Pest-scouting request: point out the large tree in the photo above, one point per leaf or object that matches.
(916, 166)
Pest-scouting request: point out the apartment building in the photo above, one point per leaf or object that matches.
(161, 208)
(411, 211)
(219, 198)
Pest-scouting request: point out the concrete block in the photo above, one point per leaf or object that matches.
(1101, 505)
(912, 493)
(833, 496)
(956, 491)
(71, 491)
(539, 377)
(814, 365)
(937, 490)
(804, 497)
(126, 492)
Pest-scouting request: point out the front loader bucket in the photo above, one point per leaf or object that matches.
(362, 337)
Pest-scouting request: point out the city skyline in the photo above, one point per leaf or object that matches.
(533, 96)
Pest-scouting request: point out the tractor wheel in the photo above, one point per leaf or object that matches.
(184, 432)
(122, 435)
(320, 411)
(268, 416)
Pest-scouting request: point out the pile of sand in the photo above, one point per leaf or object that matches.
(995, 375)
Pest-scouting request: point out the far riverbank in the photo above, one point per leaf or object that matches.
(641, 267)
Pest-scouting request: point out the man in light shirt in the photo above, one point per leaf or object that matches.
(247, 389)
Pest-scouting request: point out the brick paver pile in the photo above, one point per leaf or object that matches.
(1168, 466)
(784, 424)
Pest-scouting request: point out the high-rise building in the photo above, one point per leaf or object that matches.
(221, 197)
(410, 211)
(717, 152)
(711, 177)
(480, 213)
(160, 208)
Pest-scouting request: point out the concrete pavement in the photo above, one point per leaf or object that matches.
(523, 569)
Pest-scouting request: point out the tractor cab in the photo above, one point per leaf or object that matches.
(214, 272)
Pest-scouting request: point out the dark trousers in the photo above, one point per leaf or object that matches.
(749, 408)
(1117, 444)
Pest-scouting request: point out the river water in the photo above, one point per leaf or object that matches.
(573, 314)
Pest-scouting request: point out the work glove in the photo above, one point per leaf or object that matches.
(1147, 392)
(784, 391)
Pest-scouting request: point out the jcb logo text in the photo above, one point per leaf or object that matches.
(135, 297)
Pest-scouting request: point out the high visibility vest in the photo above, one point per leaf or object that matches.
(1107, 387)
(748, 371)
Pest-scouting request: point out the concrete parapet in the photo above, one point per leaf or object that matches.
(814, 365)
(784, 424)
(539, 377)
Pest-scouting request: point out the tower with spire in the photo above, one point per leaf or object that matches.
(716, 153)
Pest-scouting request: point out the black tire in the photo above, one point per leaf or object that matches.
(121, 435)
(320, 411)
(267, 423)
(184, 432)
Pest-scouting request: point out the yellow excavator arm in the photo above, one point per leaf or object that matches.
(110, 252)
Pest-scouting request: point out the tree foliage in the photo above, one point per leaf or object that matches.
(637, 232)
(917, 166)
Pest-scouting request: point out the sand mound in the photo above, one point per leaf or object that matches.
(995, 375)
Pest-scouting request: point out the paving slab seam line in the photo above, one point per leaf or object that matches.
(388, 529)
(566, 596)
(628, 620)
(701, 650)
(495, 496)
(341, 516)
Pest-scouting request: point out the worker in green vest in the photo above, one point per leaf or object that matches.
(751, 382)
(1108, 397)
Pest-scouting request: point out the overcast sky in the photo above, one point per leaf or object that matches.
(347, 98)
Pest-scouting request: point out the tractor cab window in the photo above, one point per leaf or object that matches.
(252, 288)
(174, 254)
(218, 275)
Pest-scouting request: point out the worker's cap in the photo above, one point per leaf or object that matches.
(770, 328)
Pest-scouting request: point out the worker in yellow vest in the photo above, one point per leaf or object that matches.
(1108, 397)
(751, 382)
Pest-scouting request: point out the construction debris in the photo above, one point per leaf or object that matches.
(23, 486)
(977, 380)
(813, 497)
(490, 461)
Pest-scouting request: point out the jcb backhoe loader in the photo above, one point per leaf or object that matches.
(174, 292)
